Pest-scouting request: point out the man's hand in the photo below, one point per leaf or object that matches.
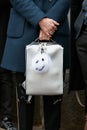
(43, 36)
(48, 26)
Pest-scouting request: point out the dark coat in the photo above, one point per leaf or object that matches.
(23, 29)
(4, 16)
(76, 78)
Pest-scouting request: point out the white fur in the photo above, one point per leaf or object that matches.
(41, 63)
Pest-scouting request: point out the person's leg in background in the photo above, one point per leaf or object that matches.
(25, 109)
(81, 45)
(6, 104)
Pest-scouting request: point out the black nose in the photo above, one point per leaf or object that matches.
(42, 59)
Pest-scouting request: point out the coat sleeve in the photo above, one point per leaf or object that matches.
(29, 10)
(59, 11)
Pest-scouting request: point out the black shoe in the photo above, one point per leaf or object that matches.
(7, 124)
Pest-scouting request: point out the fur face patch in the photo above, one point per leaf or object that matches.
(41, 63)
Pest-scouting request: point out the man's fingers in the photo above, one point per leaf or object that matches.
(56, 23)
(43, 36)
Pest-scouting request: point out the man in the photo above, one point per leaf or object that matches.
(80, 49)
(30, 19)
(6, 84)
